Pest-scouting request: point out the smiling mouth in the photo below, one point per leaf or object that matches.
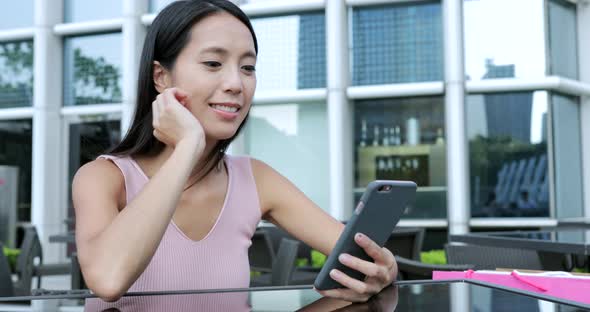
(229, 109)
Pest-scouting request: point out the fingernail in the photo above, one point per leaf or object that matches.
(334, 273)
(359, 236)
(343, 257)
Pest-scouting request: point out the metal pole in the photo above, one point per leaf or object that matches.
(339, 110)
(457, 148)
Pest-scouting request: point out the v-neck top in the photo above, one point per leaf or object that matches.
(219, 260)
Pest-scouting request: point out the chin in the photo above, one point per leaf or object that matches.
(222, 134)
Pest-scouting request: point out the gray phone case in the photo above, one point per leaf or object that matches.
(376, 215)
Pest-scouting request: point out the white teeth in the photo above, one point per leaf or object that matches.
(225, 108)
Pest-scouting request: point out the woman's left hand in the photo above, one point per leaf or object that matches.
(379, 274)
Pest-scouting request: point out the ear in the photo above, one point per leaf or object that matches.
(161, 77)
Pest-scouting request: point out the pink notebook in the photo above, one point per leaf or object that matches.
(557, 284)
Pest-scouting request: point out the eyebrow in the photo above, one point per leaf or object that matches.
(222, 51)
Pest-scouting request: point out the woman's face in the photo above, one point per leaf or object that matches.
(217, 69)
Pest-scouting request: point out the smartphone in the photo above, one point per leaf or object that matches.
(376, 215)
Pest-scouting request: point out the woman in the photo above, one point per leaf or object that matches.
(167, 209)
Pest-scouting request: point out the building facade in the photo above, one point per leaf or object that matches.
(483, 103)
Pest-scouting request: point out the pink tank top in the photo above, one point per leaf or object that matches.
(219, 260)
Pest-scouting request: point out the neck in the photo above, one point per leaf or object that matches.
(198, 170)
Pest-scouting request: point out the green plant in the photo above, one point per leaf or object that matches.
(317, 259)
(301, 262)
(11, 254)
(436, 256)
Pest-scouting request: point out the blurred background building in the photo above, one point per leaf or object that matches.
(484, 103)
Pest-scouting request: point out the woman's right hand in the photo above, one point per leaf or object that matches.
(173, 122)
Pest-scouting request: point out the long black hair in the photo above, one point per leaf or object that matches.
(166, 37)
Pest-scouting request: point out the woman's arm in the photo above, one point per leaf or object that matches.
(286, 206)
(115, 245)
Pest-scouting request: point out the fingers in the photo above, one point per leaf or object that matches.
(353, 284)
(379, 273)
(175, 95)
(340, 293)
(181, 96)
(173, 120)
(169, 97)
(383, 263)
(158, 113)
(179, 93)
(355, 291)
(155, 114)
(370, 269)
(371, 248)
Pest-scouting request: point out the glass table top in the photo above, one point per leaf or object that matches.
(404, 296)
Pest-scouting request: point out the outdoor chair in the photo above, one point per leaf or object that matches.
(282, 266)
(6, 287)
(29, 264)
(261, 253)
(416, 270)
(29, 251)
(276, 235)
(491, 258)
(406, 242)
(304, 274)
(406, 246)
(77, 278)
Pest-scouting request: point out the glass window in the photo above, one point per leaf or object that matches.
(293, 139)
(292, 52)
(501, 42)
(403, 139)
(83, 10)
(87, 141)
(567, 155)
(16, 74)
(396, 44)
(562, 39)
(157, 5)
(240, 2)
(507, 135)
(92, 66)
(15, 171)
(17, 14)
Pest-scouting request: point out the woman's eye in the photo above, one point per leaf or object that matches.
(250, 68)
(212, 64)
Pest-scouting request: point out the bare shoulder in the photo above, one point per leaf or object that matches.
(260, 168)
(98, 177)
(273, 188)
(266, 179)
(265, 175)
(100, 171)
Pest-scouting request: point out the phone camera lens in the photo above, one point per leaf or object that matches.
(385, 188)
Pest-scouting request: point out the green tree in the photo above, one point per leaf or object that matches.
(95, 79)
(16, 74)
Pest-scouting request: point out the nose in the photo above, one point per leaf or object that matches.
(232, 82)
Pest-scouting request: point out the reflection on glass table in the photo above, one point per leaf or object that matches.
(405, 296)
